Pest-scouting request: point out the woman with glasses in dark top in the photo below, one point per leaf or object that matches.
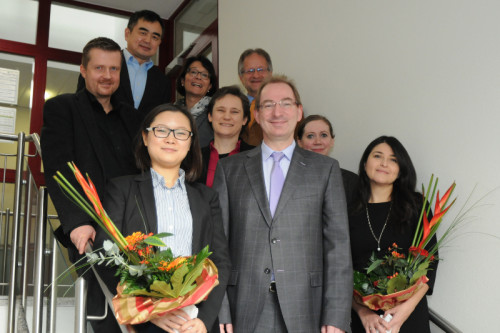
(228, 114)
(196, 83)
(166, 198)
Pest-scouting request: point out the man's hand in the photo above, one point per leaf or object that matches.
(81, 235)
(226, 328)
(331, 329)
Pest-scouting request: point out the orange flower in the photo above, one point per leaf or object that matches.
(176, 262)
(395, 254)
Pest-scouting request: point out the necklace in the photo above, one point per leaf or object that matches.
(383, 228)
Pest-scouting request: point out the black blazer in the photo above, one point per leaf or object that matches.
(69, 133)
(130, 204)
(156, 92)
(205, 155)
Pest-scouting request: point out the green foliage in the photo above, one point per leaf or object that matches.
(397, 283)
(390, 273)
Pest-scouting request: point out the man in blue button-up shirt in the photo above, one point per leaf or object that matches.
(142, 84)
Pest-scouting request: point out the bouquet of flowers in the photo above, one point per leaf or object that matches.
(395, 277)
(152, 282)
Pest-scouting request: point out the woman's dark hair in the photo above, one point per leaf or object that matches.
(302, 125)
(208, 66)
(403, 193)
(191, 163)
(235, 91)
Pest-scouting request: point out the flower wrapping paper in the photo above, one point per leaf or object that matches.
(139, 309)
(386, 302)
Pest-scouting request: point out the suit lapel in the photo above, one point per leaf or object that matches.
(148, 210)
(255, 174)
(88, 119)
(293, 179)
(149, 90)
(125, 82)
(194, 200)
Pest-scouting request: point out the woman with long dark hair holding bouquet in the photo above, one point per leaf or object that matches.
(385, 216)
(166, 198)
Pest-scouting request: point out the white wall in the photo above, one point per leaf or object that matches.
(427, 72)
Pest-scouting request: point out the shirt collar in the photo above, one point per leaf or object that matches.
(250, 98)
(235, 150)
(158, 180)
(131, 60)
(288, 151)
(98, 106)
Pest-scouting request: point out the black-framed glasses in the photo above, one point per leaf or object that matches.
(286, 104)
(259, 70)
(164, 132)
(194, 73)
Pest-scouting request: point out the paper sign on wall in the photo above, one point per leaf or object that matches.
(9, 85)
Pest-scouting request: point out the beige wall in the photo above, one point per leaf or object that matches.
(427, 72)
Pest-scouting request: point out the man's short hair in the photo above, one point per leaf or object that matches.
(146, 15)
(249, 52)
(278, 79)
(101, 43)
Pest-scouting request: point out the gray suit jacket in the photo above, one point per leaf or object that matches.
(306, 243)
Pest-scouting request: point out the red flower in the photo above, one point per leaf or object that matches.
(438, 214)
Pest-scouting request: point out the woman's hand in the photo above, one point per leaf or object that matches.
(402, 311)
(399, 315)
(194, 325)
(372, 321)
(180, 321)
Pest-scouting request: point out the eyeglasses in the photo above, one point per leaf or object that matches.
(163, 132)
(194, 73)
(284, 103)
(259, 70)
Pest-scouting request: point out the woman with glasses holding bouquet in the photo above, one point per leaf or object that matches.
(166, 198)
(197, 83)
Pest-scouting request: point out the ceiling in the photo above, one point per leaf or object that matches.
(164, 8)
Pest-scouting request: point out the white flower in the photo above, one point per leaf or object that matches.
(136, 270)
(92, 257)
(110, 247)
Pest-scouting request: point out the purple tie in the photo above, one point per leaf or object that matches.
(277, 181)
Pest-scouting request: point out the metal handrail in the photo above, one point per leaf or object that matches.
(13, 229)
(11, 323)
(442, 323)
(39, 259)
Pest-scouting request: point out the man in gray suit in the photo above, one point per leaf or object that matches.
(291, 257)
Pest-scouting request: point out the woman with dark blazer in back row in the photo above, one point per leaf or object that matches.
(228, 114)
(165, 198)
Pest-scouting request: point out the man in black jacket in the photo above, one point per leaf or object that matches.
(142, 84)
(94, 130)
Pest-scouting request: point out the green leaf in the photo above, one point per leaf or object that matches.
(163, 235)
(176, 281)
(154, 241)
(397, 283)
(421, 271)
(374, 265)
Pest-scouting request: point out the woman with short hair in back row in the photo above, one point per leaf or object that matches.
(228, 114)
